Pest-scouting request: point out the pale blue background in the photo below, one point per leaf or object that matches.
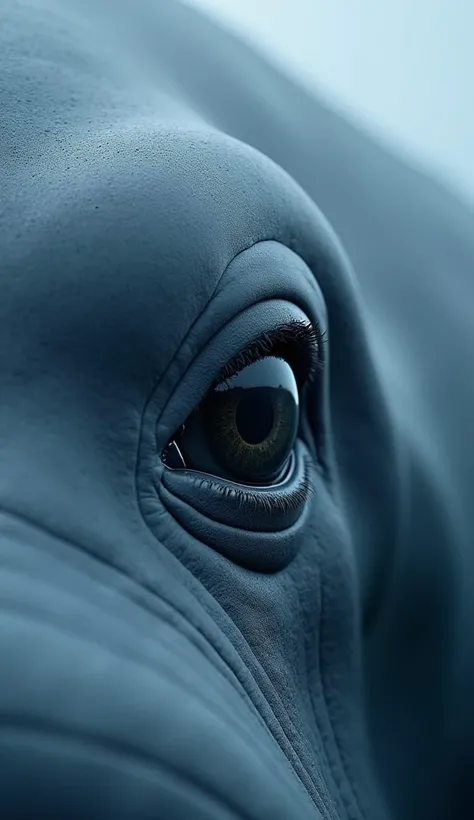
(405, 68)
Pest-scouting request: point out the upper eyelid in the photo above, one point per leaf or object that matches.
(298, 342)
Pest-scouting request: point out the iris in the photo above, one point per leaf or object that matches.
(246, 427)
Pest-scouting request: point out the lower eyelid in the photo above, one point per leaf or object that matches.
(231, 504)
(274, 502)
(258, 543)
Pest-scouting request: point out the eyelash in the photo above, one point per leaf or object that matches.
(299, 343)
(266, 500)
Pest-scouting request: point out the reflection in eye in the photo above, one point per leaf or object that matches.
(245, 428)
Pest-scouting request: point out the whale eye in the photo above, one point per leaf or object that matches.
(245, 428)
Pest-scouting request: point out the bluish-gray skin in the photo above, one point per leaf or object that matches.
(164, 653)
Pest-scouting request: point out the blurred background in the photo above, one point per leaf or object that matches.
(403, 68)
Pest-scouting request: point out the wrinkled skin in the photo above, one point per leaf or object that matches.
(164, 654)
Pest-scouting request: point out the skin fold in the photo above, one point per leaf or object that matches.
(166, 196)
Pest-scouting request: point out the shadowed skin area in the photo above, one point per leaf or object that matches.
(164, 651)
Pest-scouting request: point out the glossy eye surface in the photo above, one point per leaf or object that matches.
(245, 428)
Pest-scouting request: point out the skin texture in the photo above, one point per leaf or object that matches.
(164, 652)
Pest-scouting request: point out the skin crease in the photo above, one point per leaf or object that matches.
(169, 648)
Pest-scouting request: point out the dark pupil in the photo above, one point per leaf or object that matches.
(255, 416)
